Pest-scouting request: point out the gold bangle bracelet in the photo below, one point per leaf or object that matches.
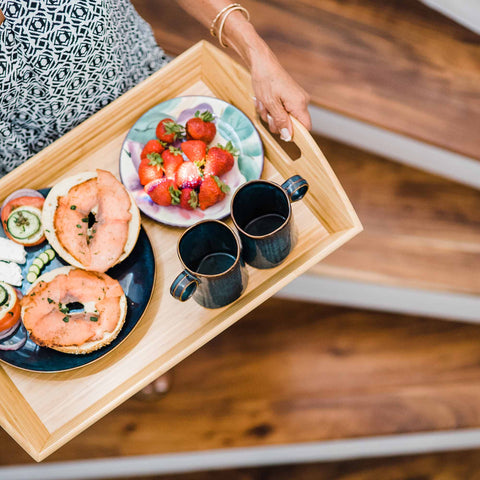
(217, 17)
(224, 19)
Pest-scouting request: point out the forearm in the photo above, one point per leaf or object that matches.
(238, 32)
(276, 94)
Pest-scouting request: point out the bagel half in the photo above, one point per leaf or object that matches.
(48, 219)
(86, 347)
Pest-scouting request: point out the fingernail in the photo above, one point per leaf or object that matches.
(285, 135)
(271, 125)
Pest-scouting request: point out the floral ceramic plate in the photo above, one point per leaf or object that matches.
(232, 125)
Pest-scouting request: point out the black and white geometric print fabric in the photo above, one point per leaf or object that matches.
(60, 62)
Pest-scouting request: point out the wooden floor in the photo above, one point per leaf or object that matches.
(443, 466)
(393, 63)
(297, 372)
(421, 230)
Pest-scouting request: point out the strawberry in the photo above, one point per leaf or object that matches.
(201, 127)
(220, 159)
(189, 199)
(172, 159)
(163, 192)
(188, 175)
(195, 150)
(151, 168)
(212, 190)
(152, 146)
(168, 131)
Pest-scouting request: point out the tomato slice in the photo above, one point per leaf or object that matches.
(36, 202)
(10, 317)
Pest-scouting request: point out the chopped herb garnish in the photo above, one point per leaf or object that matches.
(80, 233)
(85, 219)
(49, 300)
(79, 226)
(93, 319)
(73, 207)
(65, 319)
(63, 308)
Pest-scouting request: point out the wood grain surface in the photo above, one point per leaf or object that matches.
(462, 465)
(421, 231)
(297, 372)
(395, 63)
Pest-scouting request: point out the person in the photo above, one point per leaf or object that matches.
(63, 60)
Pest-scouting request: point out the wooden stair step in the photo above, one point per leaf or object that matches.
(298, 372)
(398, 64)
(420, 230)
(462, 465)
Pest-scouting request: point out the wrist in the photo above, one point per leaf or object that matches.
(243, 38)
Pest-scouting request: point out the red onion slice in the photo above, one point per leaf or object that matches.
(10, 331)
(11, 346)
(15, 344)
(23, 192)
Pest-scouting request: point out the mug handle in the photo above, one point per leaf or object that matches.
(296, 187)
(184, 286)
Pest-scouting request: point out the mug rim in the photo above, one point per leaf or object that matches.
(197, 274)
(268, 182)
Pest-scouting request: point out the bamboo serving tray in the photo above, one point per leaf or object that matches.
(44, 411)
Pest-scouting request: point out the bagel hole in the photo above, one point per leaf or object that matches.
(91, 220)
(75, 307)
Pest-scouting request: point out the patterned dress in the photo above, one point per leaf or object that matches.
(60, 62)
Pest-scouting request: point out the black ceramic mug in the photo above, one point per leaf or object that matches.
(262, 213)
(214, 271)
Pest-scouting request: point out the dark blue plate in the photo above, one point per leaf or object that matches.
(136, 275)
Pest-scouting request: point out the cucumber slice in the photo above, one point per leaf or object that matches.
(31, 276)
(44, 258)
(23, 223)
(51, 253)
(3, 295)
(35, 269)
(38, 262)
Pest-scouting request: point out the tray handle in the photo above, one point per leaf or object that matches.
(326, 195)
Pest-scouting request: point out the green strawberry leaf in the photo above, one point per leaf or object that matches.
(174, 150)
(175, 128)
(193, 200)
(221, 185)
(229, 148)
(175, 194)
(155, 160)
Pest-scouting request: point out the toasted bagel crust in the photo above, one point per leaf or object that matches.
(48, 219)
(87, 347)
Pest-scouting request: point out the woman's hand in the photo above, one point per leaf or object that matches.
(277, 95)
